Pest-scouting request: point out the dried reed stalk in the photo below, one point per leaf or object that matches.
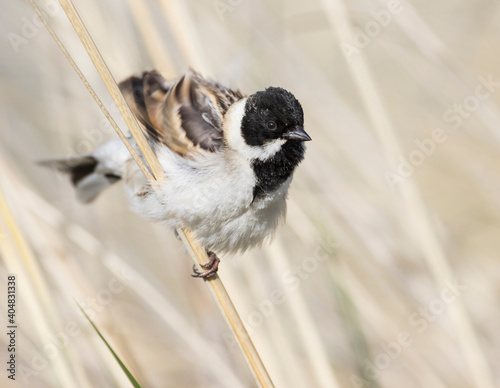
(196, 251)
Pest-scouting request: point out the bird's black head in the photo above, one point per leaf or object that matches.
(271, 115)
(272, 125)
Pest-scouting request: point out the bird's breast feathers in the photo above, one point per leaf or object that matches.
(212, 194)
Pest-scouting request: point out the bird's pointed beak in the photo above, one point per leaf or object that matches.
(298, 134)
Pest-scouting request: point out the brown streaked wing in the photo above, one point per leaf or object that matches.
(186, 115)
(133, 91)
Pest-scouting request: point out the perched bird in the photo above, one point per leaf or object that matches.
(228, 160)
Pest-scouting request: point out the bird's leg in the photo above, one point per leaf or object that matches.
(212, 266)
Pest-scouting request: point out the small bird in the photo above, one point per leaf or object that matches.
(228, 160)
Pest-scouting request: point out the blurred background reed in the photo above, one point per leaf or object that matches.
(386, 273)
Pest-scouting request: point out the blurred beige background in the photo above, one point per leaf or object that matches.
(386, 273)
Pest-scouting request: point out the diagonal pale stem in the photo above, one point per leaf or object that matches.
(155, 172)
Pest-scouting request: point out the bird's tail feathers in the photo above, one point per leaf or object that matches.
(84, 174)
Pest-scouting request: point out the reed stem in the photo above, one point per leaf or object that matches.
(156, 173)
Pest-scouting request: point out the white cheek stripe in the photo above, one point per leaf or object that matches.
(232, 133)
(267, 151)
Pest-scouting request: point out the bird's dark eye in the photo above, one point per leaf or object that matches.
(271, 125)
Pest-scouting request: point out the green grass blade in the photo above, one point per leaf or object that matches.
(122, 365)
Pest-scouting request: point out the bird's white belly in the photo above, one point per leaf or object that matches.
(215, 202)
(250, 229)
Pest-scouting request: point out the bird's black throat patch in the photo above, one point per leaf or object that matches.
(273, 172)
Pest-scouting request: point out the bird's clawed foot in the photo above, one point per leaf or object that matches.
(212, 266)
